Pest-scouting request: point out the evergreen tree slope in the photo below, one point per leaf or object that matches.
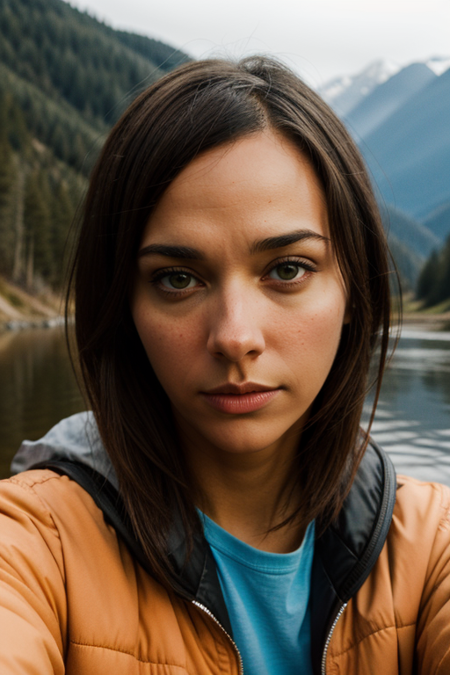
(68, 54)
(55, 123)
(64, 80)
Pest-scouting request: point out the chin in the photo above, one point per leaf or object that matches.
(247, 436)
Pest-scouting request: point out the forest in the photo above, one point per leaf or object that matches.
(65, 78)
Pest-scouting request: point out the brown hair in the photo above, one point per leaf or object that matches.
(196, 107)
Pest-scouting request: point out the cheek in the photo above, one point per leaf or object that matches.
(309, 337)
(170, 346)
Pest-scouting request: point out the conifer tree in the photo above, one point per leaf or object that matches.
(434, 282)
(62, 213)
(37, 227)
(427, 277)
(7, 181)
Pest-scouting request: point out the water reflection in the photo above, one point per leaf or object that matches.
(413, 417)
(37, 387)
(412, 422)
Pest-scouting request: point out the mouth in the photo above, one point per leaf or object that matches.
(240, 389)
(239, 399)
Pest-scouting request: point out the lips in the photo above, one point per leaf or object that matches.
(239, 399)
(239, 389)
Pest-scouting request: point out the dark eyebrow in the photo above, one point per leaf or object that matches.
(285, 240)
(188, 253)
(184, 252)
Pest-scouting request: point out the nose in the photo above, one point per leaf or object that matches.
(234, 331)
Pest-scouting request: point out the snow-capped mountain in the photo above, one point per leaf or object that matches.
(386, 98)
(400, 118)
(344, 93)
(438, 64)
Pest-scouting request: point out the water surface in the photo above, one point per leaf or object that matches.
(412, 423)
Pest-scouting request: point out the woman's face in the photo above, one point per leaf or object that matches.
(238, 299)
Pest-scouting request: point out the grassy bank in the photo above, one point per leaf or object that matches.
(19, 309)
(432, 318)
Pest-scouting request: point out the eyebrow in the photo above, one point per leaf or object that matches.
(184, 252)
(285, 240)
(189, 253)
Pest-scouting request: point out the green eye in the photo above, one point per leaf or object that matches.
(179, 280)
(287, 272)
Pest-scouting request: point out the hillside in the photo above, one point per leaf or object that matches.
(438, 221)
(65, 78)
(410, 243)
(70, 55)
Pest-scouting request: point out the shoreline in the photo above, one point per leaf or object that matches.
(21, 310)
(414, 320)
(428, 322)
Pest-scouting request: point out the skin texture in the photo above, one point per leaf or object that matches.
(272, 317)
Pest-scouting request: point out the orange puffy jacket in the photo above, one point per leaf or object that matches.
(74, 600)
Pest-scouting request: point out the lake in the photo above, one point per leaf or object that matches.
(412, 423)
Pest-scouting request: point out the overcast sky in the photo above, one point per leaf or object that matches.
(318, 38)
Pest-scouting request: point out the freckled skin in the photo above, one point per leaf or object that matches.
(237, 324)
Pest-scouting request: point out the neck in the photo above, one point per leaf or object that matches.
(248, 493)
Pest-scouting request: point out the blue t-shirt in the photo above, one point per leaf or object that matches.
(267, 597)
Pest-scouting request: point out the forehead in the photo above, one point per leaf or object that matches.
(260, 185)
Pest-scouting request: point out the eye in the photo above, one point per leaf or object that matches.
(287, 271)
(178, 281)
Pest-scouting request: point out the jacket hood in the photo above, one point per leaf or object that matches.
(75, 439)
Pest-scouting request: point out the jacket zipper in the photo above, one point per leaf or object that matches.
(328, 640)
(210, 614)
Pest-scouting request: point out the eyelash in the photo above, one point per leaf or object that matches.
(160, 274)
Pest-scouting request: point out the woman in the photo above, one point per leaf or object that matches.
(231, 286)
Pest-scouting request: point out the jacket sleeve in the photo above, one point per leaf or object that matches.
(33, 613)
(433, 628)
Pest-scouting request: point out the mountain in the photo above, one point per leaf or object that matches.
(438, 221)
(401, 121)
(402, 127)
(410, 243)
(416, 236)
(344, 93)
(409, 153)
(385, 99)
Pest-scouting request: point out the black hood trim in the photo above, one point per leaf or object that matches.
(351, 545)
(347, 551)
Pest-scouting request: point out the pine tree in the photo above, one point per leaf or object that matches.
(442, 289)
(427, 278)
(434, 282)
(62, 213)
(7, 182)
(37, 221)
